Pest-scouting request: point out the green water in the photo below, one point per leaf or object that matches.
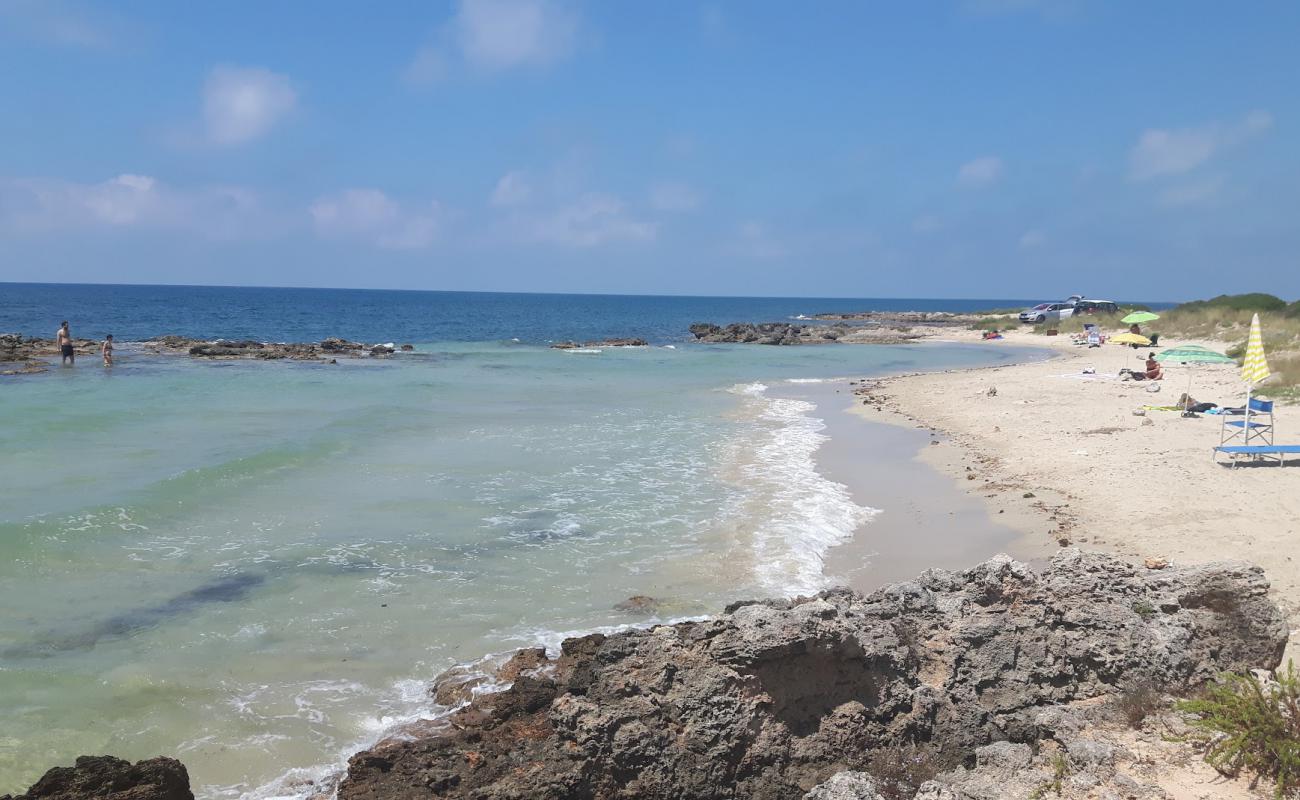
(258, 567)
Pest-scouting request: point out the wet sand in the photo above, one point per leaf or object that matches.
(925, 521)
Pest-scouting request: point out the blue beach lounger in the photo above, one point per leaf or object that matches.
(1278, 450)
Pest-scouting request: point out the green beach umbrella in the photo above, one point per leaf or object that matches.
(1192, 354)
(1139, 317)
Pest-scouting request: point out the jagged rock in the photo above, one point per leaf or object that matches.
(772, 698)
(601, 343)
(112, 778)
(846, 786)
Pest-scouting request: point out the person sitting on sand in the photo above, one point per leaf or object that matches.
(107, 350)
(1135, 329)
(64, 340)
(1154, 372)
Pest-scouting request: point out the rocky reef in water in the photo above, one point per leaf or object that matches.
(980, 674)
(270, 351)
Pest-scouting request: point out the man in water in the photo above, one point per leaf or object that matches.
(108, 350)
(64, 341)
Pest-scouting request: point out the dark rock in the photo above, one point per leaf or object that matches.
(638, 604)
(406, 348)
(772, 698)
(601, 343)
(113, 779)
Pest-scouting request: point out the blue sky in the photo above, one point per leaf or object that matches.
(985, 148)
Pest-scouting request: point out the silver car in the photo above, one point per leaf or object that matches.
(1047, 312)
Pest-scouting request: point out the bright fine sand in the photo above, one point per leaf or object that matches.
(1062, 458)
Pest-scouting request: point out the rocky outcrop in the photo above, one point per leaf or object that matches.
(785, 333)
(773, 698)
(113, 779)
(601, 343)
(331, 348)
(22, 355)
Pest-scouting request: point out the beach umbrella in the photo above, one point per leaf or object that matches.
(1192, 354)
(1130, 338)
(1255, 368)
(1139, 317)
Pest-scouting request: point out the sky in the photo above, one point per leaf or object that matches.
(973, 148)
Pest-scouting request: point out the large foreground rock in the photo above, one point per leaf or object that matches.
(771, 699)
(113, 779)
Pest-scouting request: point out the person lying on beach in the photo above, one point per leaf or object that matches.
(107, 350)
(64, 340)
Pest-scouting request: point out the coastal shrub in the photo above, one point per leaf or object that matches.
(1055, 785)
(1252, 725)
(995, 323)
(900, 771)
(1139, 700)
(1253, 301)
(1292, 311)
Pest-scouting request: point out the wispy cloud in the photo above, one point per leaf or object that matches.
(128, 202)
(512, 189)
(60, 23)
(241, 104)
(491, 36)
(980, 172)
(1197, 192)
(369, 215)
(674, 196)
(1031, 239)
(588, 221)
(1161, 151)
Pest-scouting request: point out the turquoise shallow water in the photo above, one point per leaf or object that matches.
(259, 567)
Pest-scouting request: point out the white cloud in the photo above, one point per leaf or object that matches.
(127, 202)
(1032, 239)
(498, 35)
(243, 103)
(512, 189)
(926, 223)
(1161, 152)
(588, 221)
(674, 197)
(980, 172)
(372, 216)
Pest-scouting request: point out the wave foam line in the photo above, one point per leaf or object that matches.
(804, 513)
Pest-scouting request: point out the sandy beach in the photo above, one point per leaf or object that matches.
(1061, 458)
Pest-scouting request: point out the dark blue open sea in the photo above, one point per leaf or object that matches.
(141, 312)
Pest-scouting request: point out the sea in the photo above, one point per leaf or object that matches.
(259, 568)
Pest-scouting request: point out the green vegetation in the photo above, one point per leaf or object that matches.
(995, 323)
(1060, 771)
(1254, 301)
(1248, 724)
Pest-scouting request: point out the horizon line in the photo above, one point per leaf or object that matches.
(543, 293)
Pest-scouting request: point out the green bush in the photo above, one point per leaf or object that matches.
(1246, 724)
(1254, 301)
(1293, 310)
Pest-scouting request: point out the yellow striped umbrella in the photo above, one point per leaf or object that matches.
(1254, 369)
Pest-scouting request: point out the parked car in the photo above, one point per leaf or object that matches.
(1047, 312)
(1096, 307)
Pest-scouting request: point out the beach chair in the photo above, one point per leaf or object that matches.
(1251, 434)
(1094, 336)
(1280, 451)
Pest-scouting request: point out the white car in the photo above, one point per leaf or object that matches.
(1047, 312)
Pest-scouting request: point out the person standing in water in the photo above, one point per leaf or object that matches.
(64, 341)
(108, 350)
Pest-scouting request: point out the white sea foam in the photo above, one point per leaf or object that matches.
(809, 380)
(792, 513)
(592, 350)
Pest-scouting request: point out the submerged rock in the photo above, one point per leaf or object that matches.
(113, 779)
(772, 698)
